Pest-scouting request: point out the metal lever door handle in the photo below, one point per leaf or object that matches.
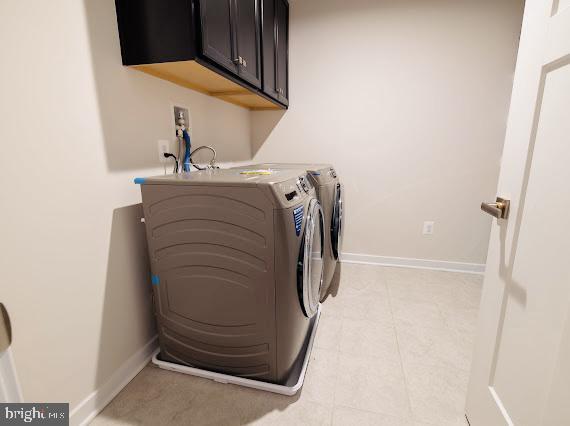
(500, 209)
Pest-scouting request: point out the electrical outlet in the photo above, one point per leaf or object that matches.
(428, 228)
(163, 146)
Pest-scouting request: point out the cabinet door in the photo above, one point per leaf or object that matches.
(247, 31)
(282, 46)
(217, 39)
(269, 49)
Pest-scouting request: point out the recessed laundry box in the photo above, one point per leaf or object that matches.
(237, 266)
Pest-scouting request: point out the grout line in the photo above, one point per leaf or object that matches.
(337, 363)
(336, 351)
(364, 410)
(399, 351)
(440, 309)
(335, 381)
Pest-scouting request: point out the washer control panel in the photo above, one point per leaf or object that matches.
(290, 191)
(294, 190)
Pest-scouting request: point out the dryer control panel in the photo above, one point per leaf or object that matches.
(324, 176)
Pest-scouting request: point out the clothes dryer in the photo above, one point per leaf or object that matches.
(331, 196)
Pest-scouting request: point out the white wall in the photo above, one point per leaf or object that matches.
(76, 127)
(408, 99)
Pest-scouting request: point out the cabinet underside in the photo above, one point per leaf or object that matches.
(195, 76)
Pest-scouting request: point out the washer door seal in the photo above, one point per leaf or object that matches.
(310, 262)
(336, 221)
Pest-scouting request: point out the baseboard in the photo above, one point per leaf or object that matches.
(406, 262)
(87, 409)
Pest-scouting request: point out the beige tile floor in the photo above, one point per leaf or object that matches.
(393, 348)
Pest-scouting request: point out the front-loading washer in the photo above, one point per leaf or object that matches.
(331, 196)
(237, 264)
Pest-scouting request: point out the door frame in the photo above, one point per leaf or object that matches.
(10, 390)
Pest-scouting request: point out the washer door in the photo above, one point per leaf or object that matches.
(310, 263)
(336, 221)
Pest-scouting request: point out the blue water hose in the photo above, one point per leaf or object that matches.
(187, 146)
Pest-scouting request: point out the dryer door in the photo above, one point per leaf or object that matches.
(310, 263)
(336, 221)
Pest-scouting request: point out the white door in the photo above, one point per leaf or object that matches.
(9, 386)
(521, 366)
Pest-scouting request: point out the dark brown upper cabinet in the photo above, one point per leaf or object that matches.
(275, 29)
(231, 36)
(217, 32)
(213, 46)
(248, 40)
